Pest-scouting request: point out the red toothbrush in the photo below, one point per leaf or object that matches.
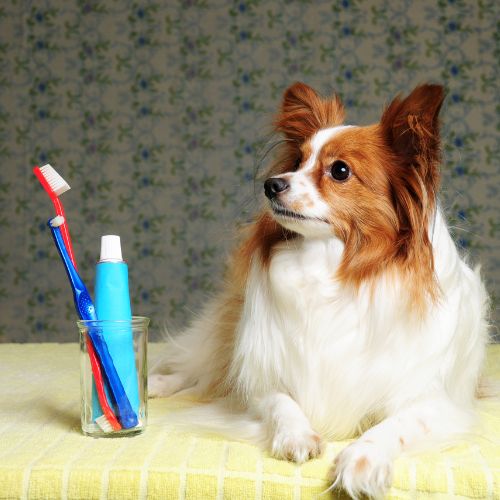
(55, 186)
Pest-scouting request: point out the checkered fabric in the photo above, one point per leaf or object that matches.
(43, 454)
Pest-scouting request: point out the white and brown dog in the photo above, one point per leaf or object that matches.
(348, 310)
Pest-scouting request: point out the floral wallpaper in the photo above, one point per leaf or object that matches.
(158, 115)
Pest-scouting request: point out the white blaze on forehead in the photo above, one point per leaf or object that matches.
(319, 139)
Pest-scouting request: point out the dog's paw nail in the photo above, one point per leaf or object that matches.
(297, 446)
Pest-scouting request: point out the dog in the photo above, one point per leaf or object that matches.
(347, 310)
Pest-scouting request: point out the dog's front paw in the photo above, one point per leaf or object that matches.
(297, 445)
(363, 468)
(162, 386)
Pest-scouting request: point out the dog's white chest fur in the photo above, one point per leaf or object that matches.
(346, 356)
(301, 274)
(314, 319)
(301, 333)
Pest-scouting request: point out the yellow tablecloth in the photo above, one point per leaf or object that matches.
(44, 455)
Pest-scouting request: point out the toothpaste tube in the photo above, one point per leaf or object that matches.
(112, 302)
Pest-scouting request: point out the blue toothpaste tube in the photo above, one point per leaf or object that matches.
(112, 302)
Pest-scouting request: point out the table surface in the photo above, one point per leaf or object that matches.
(44, 455)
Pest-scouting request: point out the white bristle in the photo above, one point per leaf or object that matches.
(54, 180)
(57, 221)
(104, 424)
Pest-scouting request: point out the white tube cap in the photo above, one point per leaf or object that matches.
(111, 249)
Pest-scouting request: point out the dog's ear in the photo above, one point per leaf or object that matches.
(303, 112)
(411, 126)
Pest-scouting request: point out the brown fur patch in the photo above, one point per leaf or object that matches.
(304, 112)
(361, 465)
(262, 236)
(308, 202)
(297, 206)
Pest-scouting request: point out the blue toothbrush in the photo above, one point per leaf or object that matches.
(86, 311)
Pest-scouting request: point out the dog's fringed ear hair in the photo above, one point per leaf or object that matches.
(303, 112)
(411, 125)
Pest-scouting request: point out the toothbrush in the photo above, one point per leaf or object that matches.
(55, 186)
(107, 422)
(86, 311)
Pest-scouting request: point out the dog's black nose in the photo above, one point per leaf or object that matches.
(275, 185)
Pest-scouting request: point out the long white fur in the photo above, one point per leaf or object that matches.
(313, 358)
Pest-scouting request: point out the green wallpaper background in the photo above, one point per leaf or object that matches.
(158, 114)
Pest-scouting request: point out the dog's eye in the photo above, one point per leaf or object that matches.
(340, 170)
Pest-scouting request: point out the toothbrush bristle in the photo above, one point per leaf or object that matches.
(54, 180)
(57, 221)
(104, 424)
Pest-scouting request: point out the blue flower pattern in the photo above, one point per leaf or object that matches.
(158, 115)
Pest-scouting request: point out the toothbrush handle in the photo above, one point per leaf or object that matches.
(64, 230)
(128, 418)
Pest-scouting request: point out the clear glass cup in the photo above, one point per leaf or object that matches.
(127, 344)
